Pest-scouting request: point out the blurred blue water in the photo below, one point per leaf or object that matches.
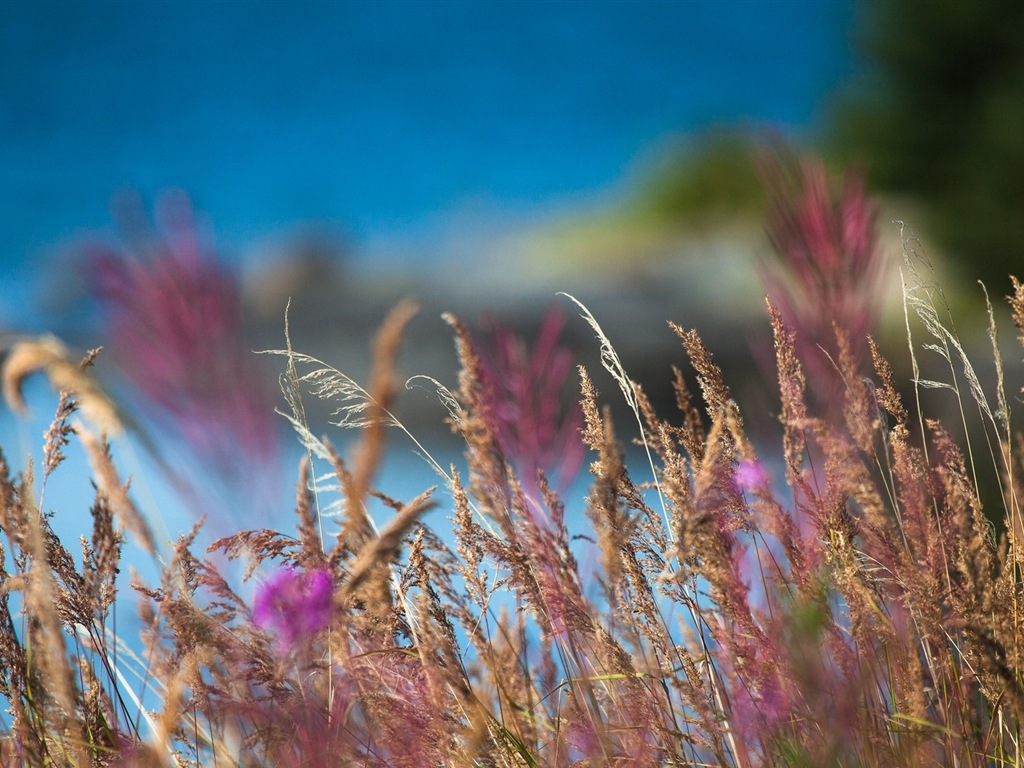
(385, 119)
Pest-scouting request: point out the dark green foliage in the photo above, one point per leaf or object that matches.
(940, 117)
(705, 181)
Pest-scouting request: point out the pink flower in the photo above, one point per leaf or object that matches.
(293, 605)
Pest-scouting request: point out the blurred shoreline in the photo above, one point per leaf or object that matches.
(708, 281)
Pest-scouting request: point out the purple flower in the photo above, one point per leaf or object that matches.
(293, 605)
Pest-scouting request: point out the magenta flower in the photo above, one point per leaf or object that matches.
(294, 605)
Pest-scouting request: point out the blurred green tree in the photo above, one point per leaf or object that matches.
(939, 116)
(709, 179)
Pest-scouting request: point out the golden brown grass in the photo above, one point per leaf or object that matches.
(844, 601)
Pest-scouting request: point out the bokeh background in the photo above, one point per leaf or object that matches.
(450, 140)
(479, 157)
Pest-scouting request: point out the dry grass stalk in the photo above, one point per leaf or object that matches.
(48, 355)
(114, 491)
(853, 607)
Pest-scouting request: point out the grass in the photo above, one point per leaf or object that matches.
(832, 595)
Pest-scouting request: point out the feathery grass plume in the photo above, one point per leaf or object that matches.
(489, 472)
(1015, 523)
(610, 362)
(611, 521)
(62, 676)
(114, 492)
(544, 575)
(383, 390)
(48, 355)
(855, 610)
(536, 431)
(925, 299)
(826, 268)
(382, 551)
(1017, 307)
(792, 387)
(355, 408)
(172, 315)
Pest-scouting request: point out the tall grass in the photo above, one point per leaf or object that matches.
(856, 607)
